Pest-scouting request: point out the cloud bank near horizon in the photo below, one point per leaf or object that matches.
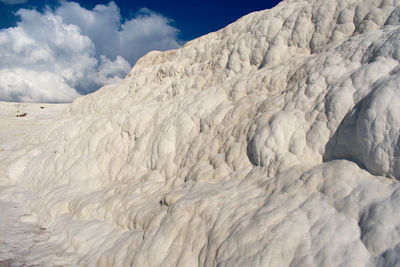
(57, 55)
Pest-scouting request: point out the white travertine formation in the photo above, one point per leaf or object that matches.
(272, 142)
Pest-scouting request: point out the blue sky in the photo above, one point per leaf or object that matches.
(54, 51)
(194, 19)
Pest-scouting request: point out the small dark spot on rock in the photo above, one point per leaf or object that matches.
(21, 115)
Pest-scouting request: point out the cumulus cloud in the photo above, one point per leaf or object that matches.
(59, 54)
(147, 31)
(13, 2)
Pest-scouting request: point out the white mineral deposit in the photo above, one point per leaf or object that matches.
(272, 142)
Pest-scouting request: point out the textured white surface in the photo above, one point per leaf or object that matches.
(272, 142)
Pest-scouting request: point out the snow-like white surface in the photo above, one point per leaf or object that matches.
(272, 142)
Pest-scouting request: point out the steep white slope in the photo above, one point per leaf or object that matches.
(271, 142)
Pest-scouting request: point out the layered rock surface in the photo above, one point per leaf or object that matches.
(272, 142)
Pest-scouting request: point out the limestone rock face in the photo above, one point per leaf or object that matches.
(272, 142)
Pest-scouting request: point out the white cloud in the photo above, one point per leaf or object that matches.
(147, 31)
(56, 55)
(28, 85)
(13, 2)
